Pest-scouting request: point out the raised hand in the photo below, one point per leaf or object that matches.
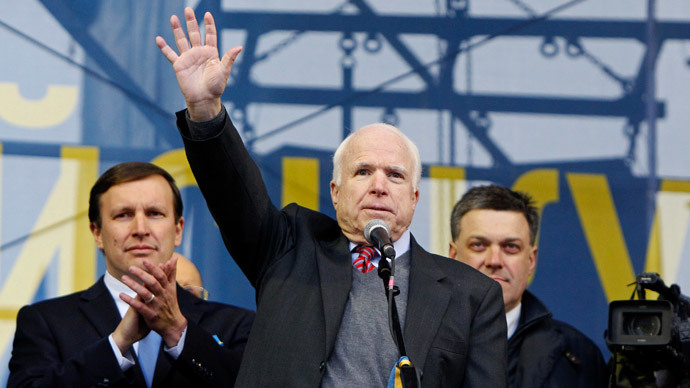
(202, 76)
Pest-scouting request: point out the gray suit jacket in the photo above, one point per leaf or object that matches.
(299, 262)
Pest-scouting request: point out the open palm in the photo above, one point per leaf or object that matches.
(201, 74)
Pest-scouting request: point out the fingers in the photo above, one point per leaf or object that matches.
(144, 294)
(181, 41)
(167, 51)
(136, 303)
(155, 301)
(157, 272)
(178, 33)
(130, 330)
(211, 34)
(170, 269)
(192, 27)
(154, 281)
(229, 59)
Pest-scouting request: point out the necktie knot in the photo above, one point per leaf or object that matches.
(363, 261)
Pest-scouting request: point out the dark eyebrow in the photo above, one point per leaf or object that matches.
(122, 209)
(504, 241)
(155, 207)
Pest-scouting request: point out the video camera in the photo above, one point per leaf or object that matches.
(650, 339)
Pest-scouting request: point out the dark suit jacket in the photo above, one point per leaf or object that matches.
(547, 353)
(299, 262)
(63, 342)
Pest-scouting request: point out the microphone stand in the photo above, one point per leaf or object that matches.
(408, 373)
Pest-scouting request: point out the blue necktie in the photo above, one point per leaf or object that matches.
(148, 354)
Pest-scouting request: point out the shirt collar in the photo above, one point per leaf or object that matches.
(115, 287)
(513, 318)
(401, 247)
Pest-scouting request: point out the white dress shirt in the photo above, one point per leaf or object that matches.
(512, 319)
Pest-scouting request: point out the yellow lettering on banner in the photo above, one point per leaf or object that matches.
(87, 165)
(61, 226)
(671, 222)
(653, 262)
(447, 186)
(55, 107)
(301, 182)
(675, 186)
(1, 208)
(542, 186)
(7, 316)
(176, 164)
(600, 222)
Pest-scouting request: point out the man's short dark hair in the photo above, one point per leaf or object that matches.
(494, 197)
(129, 172)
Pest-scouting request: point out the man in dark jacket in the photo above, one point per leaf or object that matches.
(321, 312)
(135, 327)
(494, 230)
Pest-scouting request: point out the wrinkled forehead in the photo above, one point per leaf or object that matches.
(378, 141)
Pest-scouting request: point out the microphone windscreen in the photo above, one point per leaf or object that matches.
(372, 225)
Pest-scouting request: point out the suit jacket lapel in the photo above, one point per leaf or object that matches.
(99, 308)
(188, 305)
(334, 262)
(426, 302)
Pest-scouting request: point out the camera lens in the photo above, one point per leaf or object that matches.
(642, 324)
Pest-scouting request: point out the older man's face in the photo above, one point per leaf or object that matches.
(376, 183)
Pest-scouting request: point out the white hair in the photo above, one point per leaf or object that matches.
(417, 162)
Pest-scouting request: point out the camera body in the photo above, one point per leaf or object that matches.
(640, 323)
(650, 338)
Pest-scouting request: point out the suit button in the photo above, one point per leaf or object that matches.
(322, 366)
(572, 358)
(202, 370)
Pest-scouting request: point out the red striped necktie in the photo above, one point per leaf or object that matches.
(363, 261)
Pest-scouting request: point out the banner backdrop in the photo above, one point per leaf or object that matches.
(582, 104)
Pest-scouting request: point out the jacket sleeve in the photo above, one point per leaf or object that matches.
(254, 230)
(37, 360)
(212, 354)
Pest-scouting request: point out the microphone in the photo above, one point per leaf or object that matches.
(377, 233)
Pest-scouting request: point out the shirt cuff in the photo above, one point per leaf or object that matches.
(175, 351)
(125, 361)
(203, 130)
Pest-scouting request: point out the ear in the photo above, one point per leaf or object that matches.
(96, 231)
(532, 260)
(178, 231)
(452, 250)
(334, 194)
